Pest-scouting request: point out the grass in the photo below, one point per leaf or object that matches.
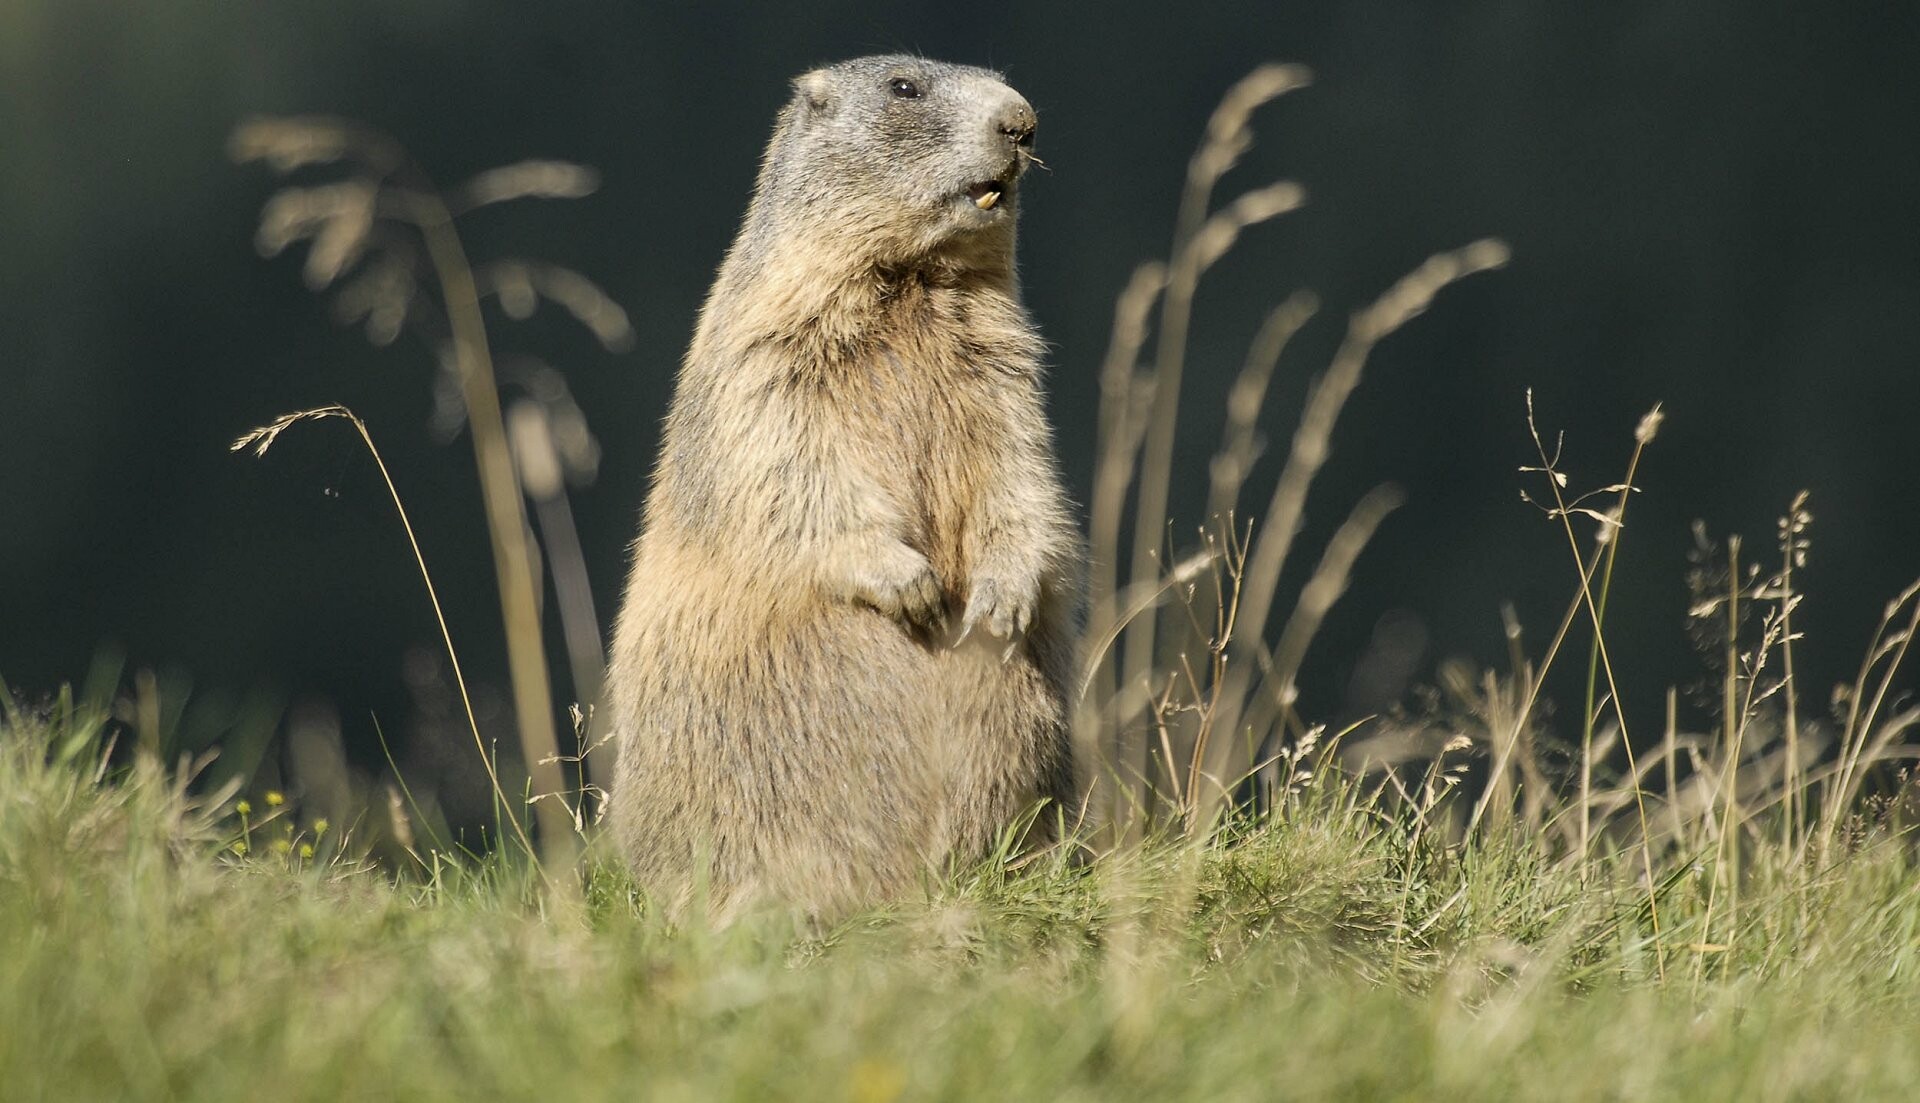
(1329, 949)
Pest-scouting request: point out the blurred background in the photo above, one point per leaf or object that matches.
(1710, 205)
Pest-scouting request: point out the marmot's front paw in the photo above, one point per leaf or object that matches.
(1002, 606)
(901, 583)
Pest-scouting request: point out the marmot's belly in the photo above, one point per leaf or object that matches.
(816, 747)
(741, 664)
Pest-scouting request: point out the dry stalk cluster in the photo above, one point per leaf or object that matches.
(1188, 695)
(1189, 691)
(1759, 777)
(388, 238)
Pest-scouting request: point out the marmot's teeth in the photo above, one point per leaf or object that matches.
(987, 200)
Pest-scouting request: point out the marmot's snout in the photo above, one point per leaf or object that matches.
(1013, 122)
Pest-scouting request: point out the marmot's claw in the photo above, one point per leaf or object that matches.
(993, 604)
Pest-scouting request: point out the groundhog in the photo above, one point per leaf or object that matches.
(844, 652)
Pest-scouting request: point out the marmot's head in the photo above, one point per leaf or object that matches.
(902, 156)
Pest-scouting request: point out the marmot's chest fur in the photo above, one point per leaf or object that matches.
(941, 404)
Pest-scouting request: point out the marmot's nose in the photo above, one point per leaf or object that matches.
(1015, 119)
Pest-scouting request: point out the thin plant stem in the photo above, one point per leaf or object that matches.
(506, 523)
(1732, 729)
(1791, 549)
(1588, 714)
(1671, 749)
(1565, 515)
(1535, 685)
(400, 779)
(263, 438)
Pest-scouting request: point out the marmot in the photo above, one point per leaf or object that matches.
(845, 647)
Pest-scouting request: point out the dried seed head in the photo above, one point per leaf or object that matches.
(1228, 135)
(528, 180)
(381, 296)
(533, 449)
(1649, 425)
(1257, 206)
(342, 237)
(1414, 293)
(512, 284)
(339, 217)
(290, 143)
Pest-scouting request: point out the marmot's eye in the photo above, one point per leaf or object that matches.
(904, 88)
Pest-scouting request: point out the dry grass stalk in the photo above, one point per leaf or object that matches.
(1122, 421)
(542, 459)
(1124, 399)
(1267, 714)
(1862, 743)
(1240, 444)
(1718, 791)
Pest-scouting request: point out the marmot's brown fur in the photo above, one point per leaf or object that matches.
(856, 494)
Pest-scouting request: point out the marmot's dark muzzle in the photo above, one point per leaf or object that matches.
(1016, 121)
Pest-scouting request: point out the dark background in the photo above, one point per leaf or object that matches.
(1710, 205)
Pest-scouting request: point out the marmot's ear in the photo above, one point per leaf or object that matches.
(815, 89)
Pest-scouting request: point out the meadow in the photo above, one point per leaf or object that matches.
(1472, 897)
(1332, 948)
